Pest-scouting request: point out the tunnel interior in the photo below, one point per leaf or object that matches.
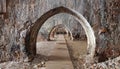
(31, 37)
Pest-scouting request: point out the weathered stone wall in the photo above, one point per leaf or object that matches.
(20, 15)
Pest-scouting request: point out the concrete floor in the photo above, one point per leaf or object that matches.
(56, 52)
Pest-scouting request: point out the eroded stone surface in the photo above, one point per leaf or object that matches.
(20, 15)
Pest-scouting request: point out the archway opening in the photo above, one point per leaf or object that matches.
(51, 50)
(32, 35)
(59, 29)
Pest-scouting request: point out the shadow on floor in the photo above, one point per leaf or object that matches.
(38, 58)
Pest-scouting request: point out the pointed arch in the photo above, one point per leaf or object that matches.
(59, 26)
(32, 35)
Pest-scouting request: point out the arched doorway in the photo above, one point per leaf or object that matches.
(69, 33)
(31, 37)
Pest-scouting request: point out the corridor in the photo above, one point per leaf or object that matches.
(56, 53)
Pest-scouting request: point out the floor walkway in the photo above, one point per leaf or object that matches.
(57, 53)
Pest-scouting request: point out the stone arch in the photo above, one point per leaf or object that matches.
(57, 26)
(31, 37)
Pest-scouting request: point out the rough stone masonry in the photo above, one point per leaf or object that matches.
(18, 16)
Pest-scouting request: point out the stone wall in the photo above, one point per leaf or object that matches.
(20, 15)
